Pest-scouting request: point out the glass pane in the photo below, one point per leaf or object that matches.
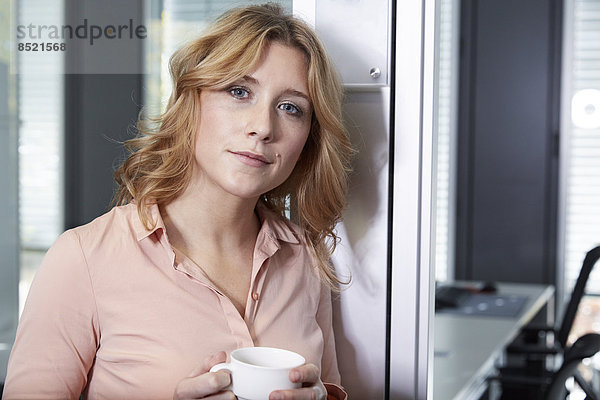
(40, 111)
(31, 121)
(9, 235)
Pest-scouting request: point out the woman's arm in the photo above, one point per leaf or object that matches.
(329, 367)
(58, 333)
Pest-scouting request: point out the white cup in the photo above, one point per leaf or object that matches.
(257, 371)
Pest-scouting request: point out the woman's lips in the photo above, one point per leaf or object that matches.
(251, 159)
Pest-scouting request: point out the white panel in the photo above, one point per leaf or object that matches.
(355, 33)
(411, 305)
(305, 9)
(359, 315)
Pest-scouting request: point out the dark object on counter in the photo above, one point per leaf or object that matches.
(489, 288)
(451, 296)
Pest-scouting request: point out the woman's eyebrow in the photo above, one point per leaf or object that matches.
(290, 91)
(298, 93)
(249, 79)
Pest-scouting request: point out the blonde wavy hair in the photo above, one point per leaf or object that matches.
(161, 160)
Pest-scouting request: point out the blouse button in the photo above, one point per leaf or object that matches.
(255, 296)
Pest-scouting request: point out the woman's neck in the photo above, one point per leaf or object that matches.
(217, 231)
(199, 220)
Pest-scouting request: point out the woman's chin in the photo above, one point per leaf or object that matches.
(246, 190)
(247, 194)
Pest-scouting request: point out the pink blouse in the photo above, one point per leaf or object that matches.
(115, 313)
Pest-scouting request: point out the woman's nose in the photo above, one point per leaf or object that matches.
(260, 123)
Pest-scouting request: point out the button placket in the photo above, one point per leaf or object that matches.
(258, 287)
(237, 325)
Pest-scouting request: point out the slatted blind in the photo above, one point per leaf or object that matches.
(40, 114)
(582, 152)
(446, 137)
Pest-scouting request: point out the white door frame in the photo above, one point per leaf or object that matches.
(412, 243)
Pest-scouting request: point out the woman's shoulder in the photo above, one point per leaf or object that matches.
(116, 225)
(84, 244)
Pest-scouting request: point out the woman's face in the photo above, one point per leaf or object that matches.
(251, 133)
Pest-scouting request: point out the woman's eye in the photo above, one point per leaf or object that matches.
(290, 109)
(239, 93)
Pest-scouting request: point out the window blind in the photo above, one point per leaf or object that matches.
(446, 137)
(582, 151)
(40, 126)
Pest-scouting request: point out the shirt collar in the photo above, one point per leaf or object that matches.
(273, 225)
(140, 230)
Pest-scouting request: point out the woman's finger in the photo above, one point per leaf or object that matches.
(208, 363)
(228, 395)
(203, 385)
(307, 373)
(316, 392)
(200, 383)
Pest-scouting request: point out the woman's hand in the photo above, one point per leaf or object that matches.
(201, 384)
(312, 387)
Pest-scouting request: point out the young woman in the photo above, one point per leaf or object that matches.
(198, 257)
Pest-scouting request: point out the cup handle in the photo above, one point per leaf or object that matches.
(221, 366)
